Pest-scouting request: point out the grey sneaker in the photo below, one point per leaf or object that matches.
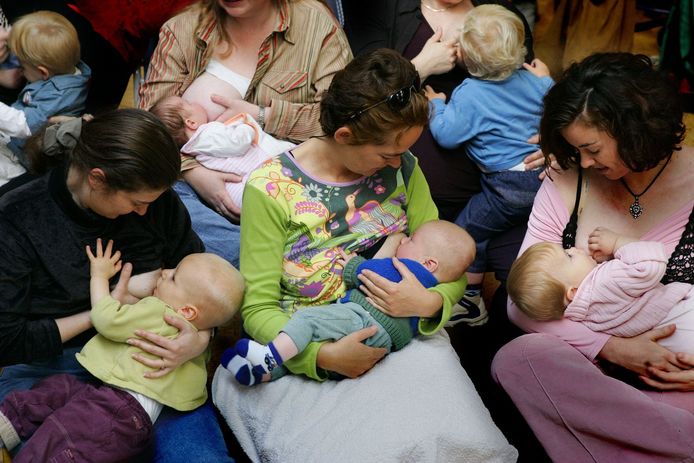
(469, 310)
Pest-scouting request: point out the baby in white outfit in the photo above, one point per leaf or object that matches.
(237, 145)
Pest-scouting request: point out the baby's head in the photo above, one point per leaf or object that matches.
(491, 42)
(181, 118)
(204, 288)
(544, 279)
(444, 248)
(46, 44)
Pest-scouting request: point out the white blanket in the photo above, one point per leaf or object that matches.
(374, 418)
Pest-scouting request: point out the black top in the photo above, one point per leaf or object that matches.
(44, 270)
(399, 24)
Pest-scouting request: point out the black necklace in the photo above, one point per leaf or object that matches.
(635, 209)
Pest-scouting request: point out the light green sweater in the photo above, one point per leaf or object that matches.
(108, 357)
(293, 228)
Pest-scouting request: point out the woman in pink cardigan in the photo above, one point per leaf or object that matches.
(615, 126)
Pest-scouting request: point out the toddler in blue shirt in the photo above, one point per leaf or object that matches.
(492, 114)
(48, 50)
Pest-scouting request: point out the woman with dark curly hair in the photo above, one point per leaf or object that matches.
(615, 126)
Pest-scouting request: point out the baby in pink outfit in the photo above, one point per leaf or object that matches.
(237, 145)
(621, 297)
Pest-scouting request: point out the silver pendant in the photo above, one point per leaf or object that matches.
(635, 209)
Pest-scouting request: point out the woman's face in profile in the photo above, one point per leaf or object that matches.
(368, 159)
(596, 148)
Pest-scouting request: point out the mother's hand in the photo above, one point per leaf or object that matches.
(170, 352)
(4, 43)
(642, 353)
(407, 298)
(235, 106)
(349, 356)
(210, 185)
(673, 380)
(537, 159)
(437, 56)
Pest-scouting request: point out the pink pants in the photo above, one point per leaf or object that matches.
(579, 414)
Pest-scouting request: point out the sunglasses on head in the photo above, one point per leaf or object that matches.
(395, 101)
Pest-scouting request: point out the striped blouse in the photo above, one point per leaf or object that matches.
(296, 62)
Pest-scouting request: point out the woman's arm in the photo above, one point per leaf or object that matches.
(71, 326)
(25, 338)
(169, 66)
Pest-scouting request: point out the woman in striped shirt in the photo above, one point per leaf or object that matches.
(285, 51)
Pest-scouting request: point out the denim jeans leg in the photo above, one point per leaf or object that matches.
(189, 437)
(220, 236)
(505, 201)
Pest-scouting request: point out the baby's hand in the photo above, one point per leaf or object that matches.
(345, 257)
(431, 94)
(104, 265)
(537, 68)
(602, 243)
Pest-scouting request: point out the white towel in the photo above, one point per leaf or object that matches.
(370, 419)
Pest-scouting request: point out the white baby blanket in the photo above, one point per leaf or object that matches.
(369, 419)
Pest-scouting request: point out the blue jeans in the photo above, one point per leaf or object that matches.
(220, 236)
(185, 437)
(504, 202)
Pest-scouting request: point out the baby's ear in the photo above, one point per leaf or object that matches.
(431, 264)
(191, 124)
(189, 312)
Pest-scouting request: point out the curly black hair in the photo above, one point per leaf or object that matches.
(621, 94)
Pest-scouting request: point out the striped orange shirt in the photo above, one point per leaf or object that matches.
(296, 62)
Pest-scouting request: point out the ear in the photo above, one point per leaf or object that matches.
(571, 293)
(343, 135)
(430, 264)
(189, 312)
(97, 179)
(45, 73)
(191, 124)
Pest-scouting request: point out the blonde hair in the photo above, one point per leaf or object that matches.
(47, 39)
(219, 291)
(533, 288)
(451, 245)
(491, 40)
(169, 110)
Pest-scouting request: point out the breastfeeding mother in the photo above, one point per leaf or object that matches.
(114, 183)
(285, 51)
(616, 125)
(344, 191)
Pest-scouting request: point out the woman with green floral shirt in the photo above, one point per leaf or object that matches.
(344, 191)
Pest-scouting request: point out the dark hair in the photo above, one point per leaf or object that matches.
(621, 94)
(131, 146)
(169, 111)
(365, 81)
